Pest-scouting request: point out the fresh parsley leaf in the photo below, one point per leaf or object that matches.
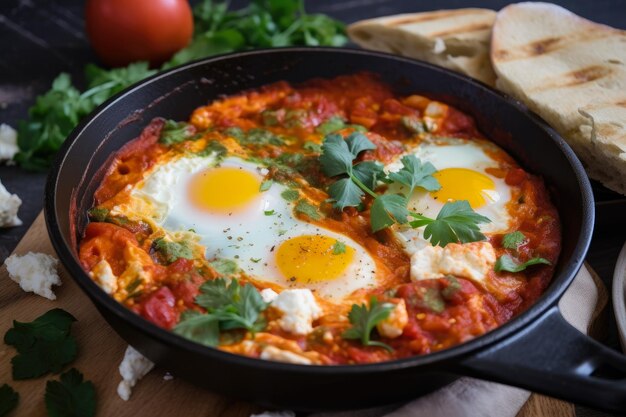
(345, 193)
(103, 84)
(234, 306)
(308, 209)
(507, 263)
(171, 251)
(364, 319)
(175, 132)
(71, 396)
(331, 125)
(336, 157)
(98, 214)
(456, 222)
(8, 399)
(225, 267)
(358, 142)
(266, 185)
(513, 240)
(388, 209)
(43, 345)
(290, 195)
(415, 174)
(201, 328)
(368, 172)
(339, 248)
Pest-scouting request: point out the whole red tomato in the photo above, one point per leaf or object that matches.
(123, 31)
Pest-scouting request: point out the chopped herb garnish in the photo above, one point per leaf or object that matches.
(43, 345)
(8, 399)
(133, 285)
(228, 307)
(175, 132)
(259, 136)
(312, 147)
(266, 185)
(290, 195)
(308, 209)
(453, 287)
(213, 147)
(507, 263)
(513, 240)
(432, 300)
(98, 214)
(255, 260)
(331, 125)
(71, 396)
(339, 248)
(413, 124)
(269, 212)
(225, 267)
(364, 319)
(171, 251)
(269, 117)
(235, 132)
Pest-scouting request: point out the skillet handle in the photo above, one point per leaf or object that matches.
(552, 357)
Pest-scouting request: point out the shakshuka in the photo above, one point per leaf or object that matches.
(332, 222)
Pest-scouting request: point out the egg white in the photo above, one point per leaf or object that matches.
(249, 235)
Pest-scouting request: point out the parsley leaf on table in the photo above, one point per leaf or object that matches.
(71, 396)
(8, 399)
(456, 222)
(513, 240)
(228, 307)
(507, 263)
(364, 319)
(264, 23)
(43, 345)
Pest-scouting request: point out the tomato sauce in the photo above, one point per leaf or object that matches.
(441, 312)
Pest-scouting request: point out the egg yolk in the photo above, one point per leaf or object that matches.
(313, 258)
(224, 189)
(464, 184)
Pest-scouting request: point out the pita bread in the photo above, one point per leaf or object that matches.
(572, 72)
(455, 39)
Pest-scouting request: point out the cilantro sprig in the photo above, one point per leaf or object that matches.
(71, 396)
(364, 319)
(456, 222)
(43, 345)
(229, 306)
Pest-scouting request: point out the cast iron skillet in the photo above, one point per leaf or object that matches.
(538, 350)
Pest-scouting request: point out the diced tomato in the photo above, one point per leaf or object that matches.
(105, 241)
(160, 308)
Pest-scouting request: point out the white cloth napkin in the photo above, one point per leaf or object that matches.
(469, 397)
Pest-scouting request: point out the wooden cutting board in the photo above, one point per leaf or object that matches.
(101, 350)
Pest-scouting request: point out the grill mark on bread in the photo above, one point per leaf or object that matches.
(442, 14)
(474, 27)
(575, 78)
(547, 45)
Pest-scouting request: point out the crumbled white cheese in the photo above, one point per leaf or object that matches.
(299, 309)
(104, 276)
(8, 142)
(35, 272)
(9, 205)
(285, 413)
(469, 260)
(393, 325)
(273, 353)
(440, 46)
(134, 366)
(268, 295)
(168, 377)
